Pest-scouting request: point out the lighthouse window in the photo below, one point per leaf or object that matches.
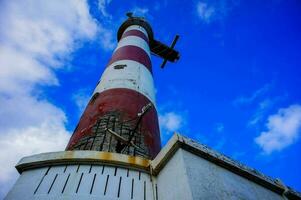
(119, 66)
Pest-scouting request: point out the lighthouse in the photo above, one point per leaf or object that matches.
(115, 150)
(121, 116)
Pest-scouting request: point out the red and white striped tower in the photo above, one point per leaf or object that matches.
(121, 115)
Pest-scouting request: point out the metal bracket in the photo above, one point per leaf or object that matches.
(128, 142)
(122, 139)
(171, 47)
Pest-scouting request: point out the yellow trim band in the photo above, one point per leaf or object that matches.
(82, 157)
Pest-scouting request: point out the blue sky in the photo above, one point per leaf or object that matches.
(235, 88)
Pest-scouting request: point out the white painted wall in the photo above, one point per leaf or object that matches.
(36, 184)
(172, 181)
(187, 176)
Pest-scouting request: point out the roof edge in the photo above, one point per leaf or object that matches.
(178, 141)
(82, 157)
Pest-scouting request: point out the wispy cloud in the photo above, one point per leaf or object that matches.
(261, 101)
(102, 6)
(262, 109)
(219, 127)
(138, 11)
(205, 11)
(283, 129)
(212, 11)
(81, 98)
(38, 39)
(245, 100)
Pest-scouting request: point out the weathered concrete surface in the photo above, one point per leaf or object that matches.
(240, 175)
(183, 170)
(187, 176)
(172, 181)
(82, 182)
(210, 181)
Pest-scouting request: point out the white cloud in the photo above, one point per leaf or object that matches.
(283, 129)
(37, 38)
(17, 143)
(213, 11)
(28, 126)
(19, 71)
(205, 12)
(19, 111)
(46, 30)
(171, 121)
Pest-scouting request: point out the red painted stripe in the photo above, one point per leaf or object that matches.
(135, 33)
(128, 103)
(131, 52)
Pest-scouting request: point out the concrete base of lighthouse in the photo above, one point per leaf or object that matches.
(82, 175)
(182, 170)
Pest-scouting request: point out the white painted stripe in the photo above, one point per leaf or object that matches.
(136, 27)
(135, 41)
(134, 76)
